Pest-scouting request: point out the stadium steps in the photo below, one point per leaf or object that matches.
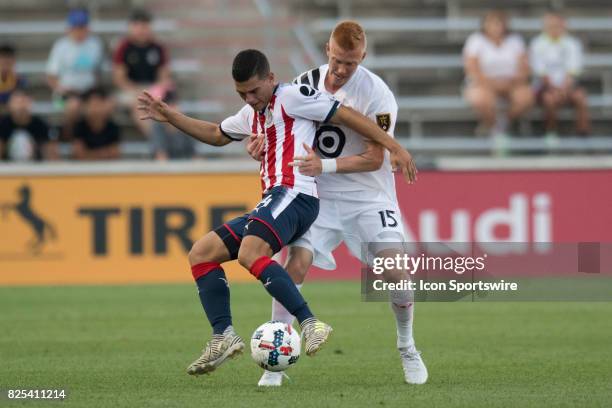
(213, 31)
(465, 25)
(202, 35)
(416, 45)
(360, 9)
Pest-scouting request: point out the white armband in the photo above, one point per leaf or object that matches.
(329, 166)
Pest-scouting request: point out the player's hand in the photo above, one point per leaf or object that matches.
(309, 165)
(255, 146)
(402, 160)
(152, 108)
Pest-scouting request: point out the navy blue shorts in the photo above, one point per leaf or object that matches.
(281, 217)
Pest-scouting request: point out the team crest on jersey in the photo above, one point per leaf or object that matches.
(384, 121)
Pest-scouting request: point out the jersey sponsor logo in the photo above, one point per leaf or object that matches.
(330, 141)
(384, 121)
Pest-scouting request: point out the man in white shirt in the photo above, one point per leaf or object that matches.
(74, 66)
(557, 61)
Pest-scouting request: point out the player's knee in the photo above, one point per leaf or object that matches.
(195, 255)
(247, 255)
(395, 275)
(207, 249)
(251, 249)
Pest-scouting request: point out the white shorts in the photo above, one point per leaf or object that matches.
(355, 217)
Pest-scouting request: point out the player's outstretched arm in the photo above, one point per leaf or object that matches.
(400, 157)
(206, 132)
(312, 165)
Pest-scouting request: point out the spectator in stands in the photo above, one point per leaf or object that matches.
(496, 67)
(556, 59)
(167, 142)
(9, 79)
(74, 66)
(24, 136)
(96, 136)
(139, 62)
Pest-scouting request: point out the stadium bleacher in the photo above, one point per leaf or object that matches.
(414, 45)
(202, 36)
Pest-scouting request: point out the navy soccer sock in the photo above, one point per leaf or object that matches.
(214, 294)
(278, 283)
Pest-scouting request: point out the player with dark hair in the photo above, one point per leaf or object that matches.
(286, 115)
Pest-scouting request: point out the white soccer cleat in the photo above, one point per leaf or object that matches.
(315, 334)
(219, 348)
(271, 379)
(415, 371)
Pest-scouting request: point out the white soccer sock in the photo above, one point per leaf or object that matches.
(403, 320)
(280, 313)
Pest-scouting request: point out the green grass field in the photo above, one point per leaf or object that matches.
(129, 346)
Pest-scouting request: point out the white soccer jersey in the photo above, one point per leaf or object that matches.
(368, 94)
(289, 120)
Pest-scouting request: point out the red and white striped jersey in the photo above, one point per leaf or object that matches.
(290, 119)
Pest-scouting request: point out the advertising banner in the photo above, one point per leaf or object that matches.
(90, 229)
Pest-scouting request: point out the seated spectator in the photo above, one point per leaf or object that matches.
(9, 79)
(167, 142)
(556, 59)
(496, 67)
(74, 66)
(96, 136)
(24, 136)
(139, 62)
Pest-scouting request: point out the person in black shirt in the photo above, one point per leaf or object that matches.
(96, 136)
(23, 136)
(140, 62)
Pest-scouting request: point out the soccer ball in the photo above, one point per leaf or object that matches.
(275, 346)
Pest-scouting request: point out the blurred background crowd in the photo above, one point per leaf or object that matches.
(492, 81)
